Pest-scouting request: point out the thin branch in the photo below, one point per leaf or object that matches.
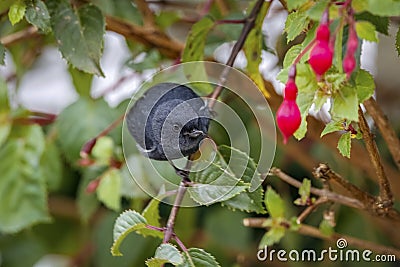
(147, 14)
(148, 37)
(315, 232)
(19, 36)
(310, 209)
(247, 27)
(385, 192)
(329, 195)
(388, 133)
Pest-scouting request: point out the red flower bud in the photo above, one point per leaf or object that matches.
(323, 33)
(352, 42)
(349, 63)
(321, 57)
(290, 92)
(288, 118)
(92, 186)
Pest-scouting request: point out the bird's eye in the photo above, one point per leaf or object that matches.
(176, 127)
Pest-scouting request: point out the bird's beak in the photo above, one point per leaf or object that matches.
(196, 133)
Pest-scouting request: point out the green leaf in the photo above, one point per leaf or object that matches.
(273, 236)
(295, 4)
(151, 61)
(216, 183)
(2, 54)
(82, 121)
(383, 8)
(398, 42)
(338, 51)
(167, 18)
(365, 85)
(366, 30)
(194, 51)
(109, 190)
(5, 127)
(381, 23)
(79, 34)
(252, 49)
(291, 55)
(326, 228)
(22, 185)
(103, 150)
(17, 11)
(52, 166)
(165, 253)
(315, 12)
(126, 223)
(246, 200)
(344, 144)
(304, 102)
(88, 202)
(345, 104)
(296, 23)
(274, 203)
(152, 216)
(38, 15)
(196, 257)
(82, 81)
(333, 126)
(304, 192)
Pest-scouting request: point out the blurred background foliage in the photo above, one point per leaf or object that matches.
(47, 215)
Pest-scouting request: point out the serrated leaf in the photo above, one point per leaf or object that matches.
(165, 253)
(38, 15)
(344, 144)
(152, 216)
(82, 81)
(366, 30)
(397, 44)
(248, 200)
(196, 257)
(17, 11)
(2, 54)
(274, 203)
(109, 189)
(315, 12)
(252, 49)
(381, 23)
(304, 102)
(291, 55)
(273, 236)
(365, 85)
(294, 4)
(216, 183)
(333, 126)
(79, 34)
(126, 223)
(345, 103)
(296, 23)
(80, 122)
(22, 186)
(326, 228)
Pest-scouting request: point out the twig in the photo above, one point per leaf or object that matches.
(315, 232)
(19, 36)
(385, 192)
(147, 14)
(247, 27)
(388, 133)
(149, 37)
(309, 209)
(329, 195)
(323, 171)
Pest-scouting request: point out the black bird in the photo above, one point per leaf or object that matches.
(168, 121)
